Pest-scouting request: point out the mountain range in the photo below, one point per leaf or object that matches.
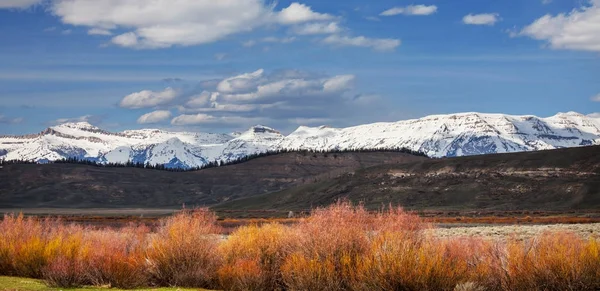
(451, 135)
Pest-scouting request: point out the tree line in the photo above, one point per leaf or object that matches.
(217, 163)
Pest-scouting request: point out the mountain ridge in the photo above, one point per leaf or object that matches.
(442, 135)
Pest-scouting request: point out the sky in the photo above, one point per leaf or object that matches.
(222, 66)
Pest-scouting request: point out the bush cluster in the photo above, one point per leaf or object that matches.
(341, 247)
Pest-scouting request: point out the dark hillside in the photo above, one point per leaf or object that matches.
(557, 180)
(82, 186)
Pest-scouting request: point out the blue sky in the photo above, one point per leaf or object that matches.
(226, 65)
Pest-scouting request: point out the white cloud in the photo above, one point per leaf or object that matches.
(481, 19)
(244, 99)
(240, 83)
(191, 119)
(147, 98)
(196, 119)
(200, 100)
(338, 83)
(545, 2)
(20, 4)
(379, 44)
(154, 117)
(164, 23)
(299, 13)
(411, 10)
(576, 30)
(594, 115)
(99, 31)
(318, 28)
(596, 98)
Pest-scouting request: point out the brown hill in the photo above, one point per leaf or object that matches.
(557, 180)
(81, 186)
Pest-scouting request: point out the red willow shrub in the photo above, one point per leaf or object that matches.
(183, 252)
(334, 241)
(117, 257)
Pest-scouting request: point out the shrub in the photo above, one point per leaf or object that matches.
(67, 267)
(330, 242)
(117, 258)
(304, 273)
(553, 261)
(398, 262)
(253, 256)
(183, 252)
(24, 245)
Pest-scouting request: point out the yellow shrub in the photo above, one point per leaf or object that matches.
(254, 255)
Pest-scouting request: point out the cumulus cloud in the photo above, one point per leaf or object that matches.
(481, 19)
(318, 28)
(147, 98)
(576, 30)
(163, 23)
(19, 4)
(378, 44)
(190, 119)
(411, 10)
(200, 100)
(283, 97)
(596, 98)
(154, 117)
(299, 13)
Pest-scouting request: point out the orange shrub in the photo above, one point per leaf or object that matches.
(553, 261)
(117, 258)
(304, 273)
(330, 242)
(398, 262)
(253, 256)
(183, 252)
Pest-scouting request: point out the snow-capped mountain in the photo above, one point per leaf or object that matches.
(436, 135)
(459, 134)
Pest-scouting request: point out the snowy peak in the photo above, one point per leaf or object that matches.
(459, 134)
(261, 129)
(77, 125)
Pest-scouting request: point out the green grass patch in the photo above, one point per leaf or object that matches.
(25, 284)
